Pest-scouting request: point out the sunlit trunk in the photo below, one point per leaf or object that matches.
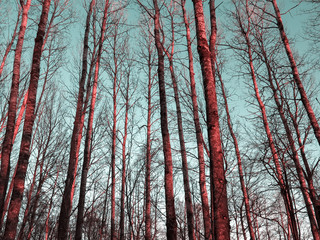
(217, 173)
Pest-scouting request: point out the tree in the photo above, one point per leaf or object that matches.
(171, 222)
(24, 155)
(295, 73)
(202, 176)
(8, 138)
(217, 174)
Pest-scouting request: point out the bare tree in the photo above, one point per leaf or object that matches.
(8, 138)
(24, 155)
(217, 173)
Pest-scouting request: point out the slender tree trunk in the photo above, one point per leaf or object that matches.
(295, 157)
(123, 183)
(309, 173)
(18, 187)
(202, 176)
(221, 217)
(148, 153)
(114, 143)
(66, 205)
(47, 227)
(8, 48)
(295, 73)
(186, 184)
(236, 147)
(8, 137)
(171, 222)
(283, 188)
(87, 149)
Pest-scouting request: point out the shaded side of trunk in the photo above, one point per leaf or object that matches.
(171, 221)
(87, 150)
(148, 154)
(295, 73)
(202, 176)
(221, 217)
(8, 137)
(66, 204)
(18, 186)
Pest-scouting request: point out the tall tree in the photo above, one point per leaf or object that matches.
(12, 109)
(87, 151)
(24, 155)
(245, 32)
(186, 184)
(202, 174)
(295, 73)
(72, 169)
(239, 159)
(217, 173)
(171, 221)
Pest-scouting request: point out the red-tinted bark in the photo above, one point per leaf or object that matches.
(9, 134)
(295, 74)
(240, 169)
(87, 152)
(202, 176)
(218, 182)
(18, 186)
(283, 187)
(123, 177)
(186, 184)
(171, 222)
(295, 156)
(8, 48)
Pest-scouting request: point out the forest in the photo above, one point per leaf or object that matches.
(159, 119)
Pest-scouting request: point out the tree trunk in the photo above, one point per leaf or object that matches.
(221, 217)
(202, 176)
(8, 137)
(186, 184)
(295, 156)
(171, 222)
(148, 152)
(87, 150)
(66, 204)
(237, 150)
(123, 183)
(295, 73)
(18, 187)
(283, 188)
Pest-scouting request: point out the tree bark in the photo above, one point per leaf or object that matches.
(283, 188)
(186, 184)
(171, 222)
(12, 109)
(87, 150)
(238, 155)
(295, 74)
(202, 176)
(217, 173)
(123, 177)
(295, 156)
(24, 155)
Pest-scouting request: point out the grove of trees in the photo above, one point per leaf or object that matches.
(162, 119)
